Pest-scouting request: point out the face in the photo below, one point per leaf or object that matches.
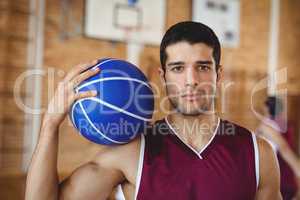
(190, 78)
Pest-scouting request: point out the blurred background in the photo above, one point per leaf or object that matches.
(41, 40)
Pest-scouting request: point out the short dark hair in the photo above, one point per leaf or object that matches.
(191, 32)
(274, 105)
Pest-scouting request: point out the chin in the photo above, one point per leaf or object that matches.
(193, 112)
(191, 109)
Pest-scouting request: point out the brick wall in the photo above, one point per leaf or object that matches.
(244, 66)
(13, 42)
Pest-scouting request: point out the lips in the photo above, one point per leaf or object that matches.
(191, 96)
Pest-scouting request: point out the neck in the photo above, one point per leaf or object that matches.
(194, 130)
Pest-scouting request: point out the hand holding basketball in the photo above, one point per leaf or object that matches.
(64, 95)
(121, 109)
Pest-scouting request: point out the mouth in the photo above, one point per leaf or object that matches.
(191, 96)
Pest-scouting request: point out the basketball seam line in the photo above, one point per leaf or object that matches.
(105, 103)
(115, 108)
(93, 126)
(73, 107)
(108, 104)
(112, 78)
(105, 61)
(72, 117)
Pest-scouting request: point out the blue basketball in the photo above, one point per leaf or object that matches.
(122, 108)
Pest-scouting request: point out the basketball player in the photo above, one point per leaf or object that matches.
(190, 154)
(281, 139)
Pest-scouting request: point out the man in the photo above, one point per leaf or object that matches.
(279, 132)
(173, 160)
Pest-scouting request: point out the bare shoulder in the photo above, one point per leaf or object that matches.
(123, 158)
(269, 181)
(97, 178)
(266, 151)
(268, 160)
(89, 181)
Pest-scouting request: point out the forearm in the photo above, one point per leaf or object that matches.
(42, 180)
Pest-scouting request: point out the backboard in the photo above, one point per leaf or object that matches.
(114, 19)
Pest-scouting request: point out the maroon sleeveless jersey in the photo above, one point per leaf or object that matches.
(226, 168)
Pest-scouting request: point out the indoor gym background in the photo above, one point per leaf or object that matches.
(48, 35)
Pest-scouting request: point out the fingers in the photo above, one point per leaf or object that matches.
(78, 69)
(86, 94)
(83, 76)
(65, 95)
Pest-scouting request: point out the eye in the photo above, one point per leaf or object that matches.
(177, 69)
(204, 67)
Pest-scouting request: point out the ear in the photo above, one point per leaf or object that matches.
(220, 75)
(162, 76)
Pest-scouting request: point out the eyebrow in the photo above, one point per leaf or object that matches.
(204, 62)
(201, 62)
(175, 63)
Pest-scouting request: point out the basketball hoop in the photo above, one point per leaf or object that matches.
(130, 34)
(132, 2)
(129, 21)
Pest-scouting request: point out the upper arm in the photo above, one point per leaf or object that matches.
(269, 184)
(283, 147)
(94, 180)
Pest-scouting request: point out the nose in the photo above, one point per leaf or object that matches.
(192, 78)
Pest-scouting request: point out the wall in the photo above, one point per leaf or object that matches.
(13, 47)
(13, 42)
(244, 66)
(289, 48)
(65, 46)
